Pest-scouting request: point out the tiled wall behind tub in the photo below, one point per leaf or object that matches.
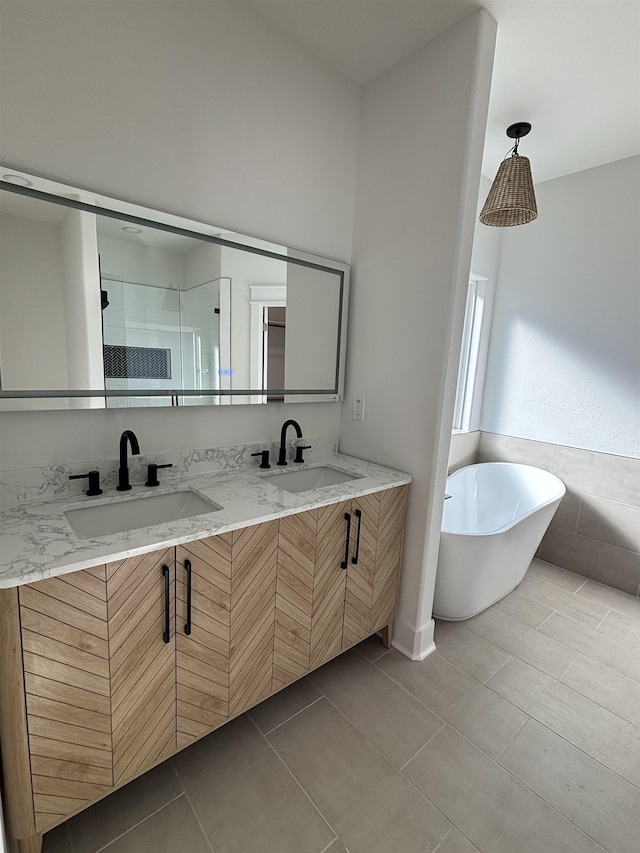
(462, 450)
(596, 530)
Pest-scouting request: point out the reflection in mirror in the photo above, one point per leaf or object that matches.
(165, 316)
(119, 309)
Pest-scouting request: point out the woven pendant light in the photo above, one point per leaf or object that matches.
(511, 199)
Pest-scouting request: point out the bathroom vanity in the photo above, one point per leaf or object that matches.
(120, 650)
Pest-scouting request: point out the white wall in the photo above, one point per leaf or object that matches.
(487, 241)
(485, 262)
(208, 112)
(137, 262)
(422, 133)
(564, 358)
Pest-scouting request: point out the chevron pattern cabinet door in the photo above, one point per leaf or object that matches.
(254, 564)
(143, 683)
(65, 641)
(202, 657)
(372, 582)
(329, 584)
(388, 556)
(310, 591)
(294, 597)
(360, 575)
(226, 663)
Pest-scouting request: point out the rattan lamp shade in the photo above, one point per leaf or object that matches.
(511, 199)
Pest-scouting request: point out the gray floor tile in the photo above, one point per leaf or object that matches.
(57, 840)
(369, 805)
(293, 699)
(470, 653)
(604, 736)
(434, 681)
(245, 799)
(628, 605)
(101, 823)
(568, 603)
(486, 719)
(605, 686)
(455, 842)
(372, 648)
(523, 608)
(397, 819)
(602, 804)
(386, 714)
(554, 574)
(522, 641)
(622, 657)
(492, 809)
(617, 628)
(172, 828)
(336, 847)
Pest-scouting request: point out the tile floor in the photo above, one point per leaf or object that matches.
(519, 735)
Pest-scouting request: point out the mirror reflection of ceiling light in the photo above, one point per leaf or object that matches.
(16, 179)
(131, 229)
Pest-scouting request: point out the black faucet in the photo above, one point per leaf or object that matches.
(123, 472)
(282, 456)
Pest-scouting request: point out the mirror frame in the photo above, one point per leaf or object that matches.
(45, 189)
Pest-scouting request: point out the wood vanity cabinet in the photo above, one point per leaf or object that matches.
(108, 671)
(377, 532)
(338, 571)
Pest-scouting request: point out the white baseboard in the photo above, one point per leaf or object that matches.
(414, 643)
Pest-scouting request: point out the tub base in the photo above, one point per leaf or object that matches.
(477, 612)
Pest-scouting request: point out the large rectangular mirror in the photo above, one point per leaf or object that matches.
(104, 303)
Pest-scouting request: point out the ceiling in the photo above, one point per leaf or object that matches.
(570, 67)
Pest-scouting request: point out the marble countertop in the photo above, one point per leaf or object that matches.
(37, 542)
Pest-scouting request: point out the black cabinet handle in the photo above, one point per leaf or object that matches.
(167, 611)
(354, 559)
(187, 568)
(345, 562)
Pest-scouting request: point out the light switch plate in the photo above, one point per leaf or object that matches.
(358, 408)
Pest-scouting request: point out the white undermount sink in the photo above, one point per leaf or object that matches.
(309, 478)
(105, 519)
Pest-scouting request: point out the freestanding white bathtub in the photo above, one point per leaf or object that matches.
(492, 525)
